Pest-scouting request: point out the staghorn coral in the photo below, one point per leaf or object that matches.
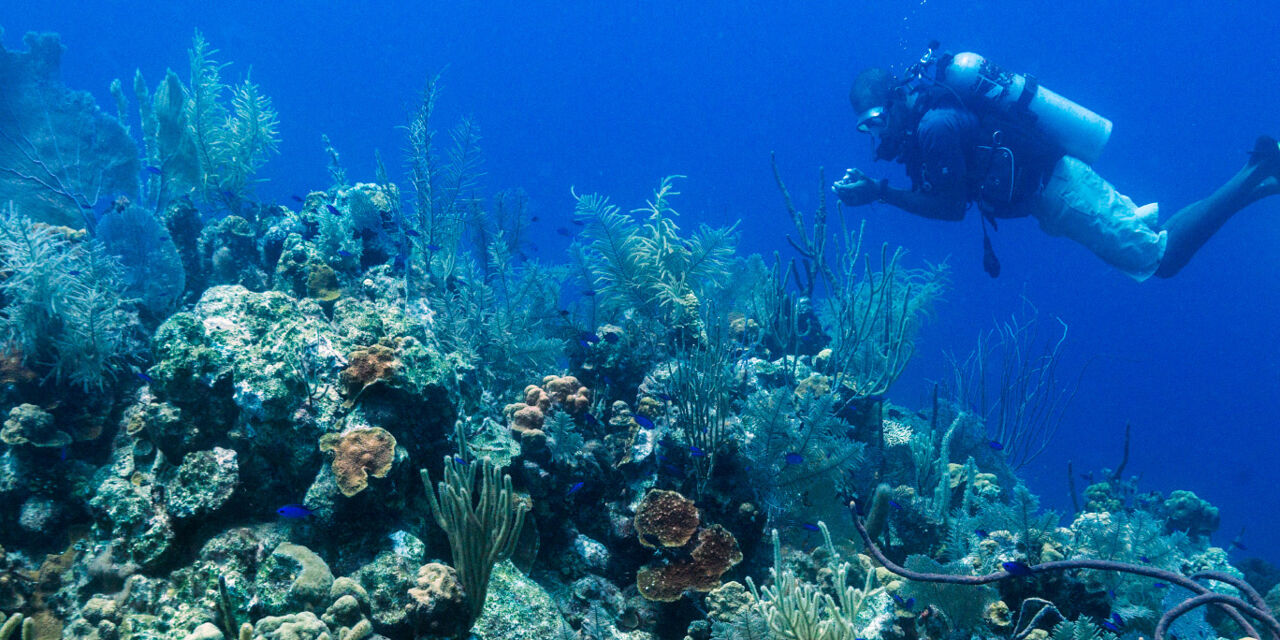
(716, 552)
(358, 454)
(665, 519)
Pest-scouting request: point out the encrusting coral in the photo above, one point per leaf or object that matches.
(358, 454)
(665, 519)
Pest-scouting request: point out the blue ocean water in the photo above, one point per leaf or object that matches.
(611, 97)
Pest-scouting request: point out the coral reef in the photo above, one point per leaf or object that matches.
(359, 454)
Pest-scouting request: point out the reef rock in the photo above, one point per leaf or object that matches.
(205, 481)
(293, 578)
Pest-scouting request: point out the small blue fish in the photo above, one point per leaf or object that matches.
(1144, 559)
(591, 338)
(563, 231)
(574, 489)
(1017, 568)
(434, 247)
(296, 197)
(1160, 585)
(696, 452)
(151, 169)
(579, 223)
(995, 444)
(412, 234)
(332, 209)
(1110, 627)
(144, 377)
(344, 253)
(905, 604)
(665, 397)
(460, 461)
(1115, 617)
(809, 526)
(62, 454)
(1236, 544)
(589, 293)
(74, 272)
(612, 338)
(86, 206)
(584, 344)
(981, 533)
(793, 458)
(1111, 593)
(895, 505)
(643, 421)
(534, 219)
(294, 511)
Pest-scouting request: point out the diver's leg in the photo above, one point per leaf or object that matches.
(1193, 225)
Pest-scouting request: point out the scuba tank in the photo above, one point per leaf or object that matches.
(1074, 129)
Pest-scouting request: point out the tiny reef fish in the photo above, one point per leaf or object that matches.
(1017, 568)
(294, 511)
(574, 489)
(296, 198)
(152, 169)
(643, 421)
(793, 458)
(696, 452)
(563, 231)
(995, 444)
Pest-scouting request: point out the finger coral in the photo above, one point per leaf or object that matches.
(358, 454)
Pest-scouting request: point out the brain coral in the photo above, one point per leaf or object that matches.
(358, 454)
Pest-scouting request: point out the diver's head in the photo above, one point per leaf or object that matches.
(869, 96)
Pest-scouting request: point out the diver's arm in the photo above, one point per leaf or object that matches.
(936, 206)
(856, 189)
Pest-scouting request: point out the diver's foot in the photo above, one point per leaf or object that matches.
(1268, 187)
(1266, 151)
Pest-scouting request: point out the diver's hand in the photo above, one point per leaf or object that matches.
(856, 189)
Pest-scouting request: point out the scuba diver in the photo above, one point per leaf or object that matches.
(970, 132)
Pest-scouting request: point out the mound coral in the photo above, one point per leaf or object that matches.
(665, 519)
(562, 391)
(358, 454)
(716, 552)
(367, 366)
(438, 604)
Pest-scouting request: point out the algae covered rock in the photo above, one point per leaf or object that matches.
(29, 424)
(387, 580)
(517, 608)
(293, 578)
(297, 626)
(241, 338)
(136, 524)
(205, 481)
(1190, 513)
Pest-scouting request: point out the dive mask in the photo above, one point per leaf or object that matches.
(872, 120)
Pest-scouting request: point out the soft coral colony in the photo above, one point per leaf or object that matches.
(367, 413)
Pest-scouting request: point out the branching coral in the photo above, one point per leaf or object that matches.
(64, 306)
(649, 267)
(482, 520)
(358, 454)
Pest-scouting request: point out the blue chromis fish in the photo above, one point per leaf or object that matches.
(344, 253)
(296, 197)
(460, 461)
(563, 231)
(643, 421)
(332, 209)
(591, 338)
(793, 458)
(144, 377)
(153, 169)
(574, 489)
(696, 452)
(412, 234)
(995, 444)
(981, 533)
(1160, 585)
(809, 526)
(1115, 617)
(1017, 568)
(1106, 624)
(612, 338)
(434, 247)
(895, 504)
(1144, 559)
(294, 511)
